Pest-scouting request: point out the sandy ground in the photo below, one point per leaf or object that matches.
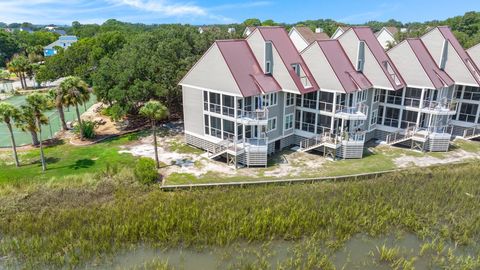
(451, 157)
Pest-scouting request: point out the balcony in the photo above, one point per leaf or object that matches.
(256, 117)
(440, 107)
(358, 112)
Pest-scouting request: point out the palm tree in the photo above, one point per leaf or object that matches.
(155, 111)
(8, 112)
(39, 103)
(27, 123)
(75, 92)
(19, 65)
(57, 96)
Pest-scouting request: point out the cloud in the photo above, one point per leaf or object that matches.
(163, 7)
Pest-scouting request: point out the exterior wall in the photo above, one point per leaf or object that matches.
(193, 110)
(297, 40)
(212, 72)
(337, 33)
(276, 112)
(280, 72)
(409, 66)
(474, 53)
(455, 67)
(372, 69)
(320, 68)
(384, 37)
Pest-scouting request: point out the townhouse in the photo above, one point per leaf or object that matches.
(246, 99)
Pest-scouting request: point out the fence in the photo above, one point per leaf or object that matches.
(48, 131)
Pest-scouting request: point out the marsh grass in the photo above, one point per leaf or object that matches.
(68, 226)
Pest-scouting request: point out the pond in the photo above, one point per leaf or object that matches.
(404, 251)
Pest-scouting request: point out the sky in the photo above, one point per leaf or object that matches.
(222, 11)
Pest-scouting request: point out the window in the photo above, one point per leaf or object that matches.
(392, 116)
(215, 102)
(468, 112)
(471, 93)
(361, 96)
(409, 118)
(326, 101)
(458, 91)
(268, 58)
(228, 105)
(310, 100)
(361, 56)
(323, 123)
(308, 122)
(412, 97)
(272, 124)
(374, 119)
(289, 99)
(376, 95)
(207, 125)
(289, 121)
(298, 115)
(269, 100)
(380, 115)
(215, 127)
(296, 68)
(205, 100)
(228, 130)
(394, 97)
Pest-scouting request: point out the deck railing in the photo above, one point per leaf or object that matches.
(259, 114)
(442, 104)
(359, 108)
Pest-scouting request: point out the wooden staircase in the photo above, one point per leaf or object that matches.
(323, 140)
(219, 149)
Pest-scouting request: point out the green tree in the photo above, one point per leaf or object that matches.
(8, 47)
(269, 23)
(155, 111)
(27, 123)
(252, 22)
(9, 113)
(57, 95)
(38, 104)
(75, 92)
(20, 66)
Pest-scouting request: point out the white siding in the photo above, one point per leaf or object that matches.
(372, 69)
(212, 72)
(409, 67)
(455, 66)
(337, 33)
(321, 69)
(474, 53)
(298, 40)
(384, 37)
(193, 110)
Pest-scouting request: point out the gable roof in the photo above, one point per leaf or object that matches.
(474, 53)
(308, 35)
(438, 77)
(289, 55)
(61, 40)
(392, 30)
(350, 79)
(249, 28)
(467, 60)
(365, 34)
(245, 68)
(340, 28)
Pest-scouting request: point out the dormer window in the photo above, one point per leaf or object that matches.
(361, 56)
(296, 68)
(443, 60)
(268, 58)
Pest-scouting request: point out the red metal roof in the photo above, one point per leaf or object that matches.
(469, 63)
(245, 68)
(349, 78)
(289, 55)
(438, 77)
(309, 35)
(364, 33)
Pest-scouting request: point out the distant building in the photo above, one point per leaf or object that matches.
(386, 36)
(231, 30)
(25, 29)
(303, 36)
(63, 42)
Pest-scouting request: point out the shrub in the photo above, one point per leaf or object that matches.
(87, 128)
(145, 171)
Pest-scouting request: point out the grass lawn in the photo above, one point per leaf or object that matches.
(64, 160)
(380, 158)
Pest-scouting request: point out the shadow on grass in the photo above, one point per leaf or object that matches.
(82, 164)
(48, 160)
